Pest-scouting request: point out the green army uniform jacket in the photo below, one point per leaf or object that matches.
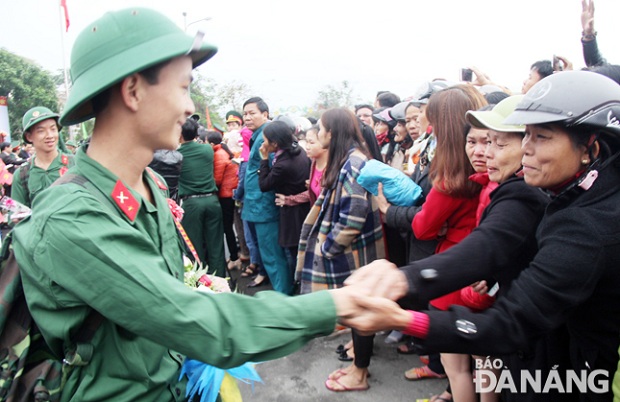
(38, 179)
(197, 170)
(78, 254)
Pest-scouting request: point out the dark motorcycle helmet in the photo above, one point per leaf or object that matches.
(580, 101)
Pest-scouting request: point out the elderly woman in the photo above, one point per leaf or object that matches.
(571, 150)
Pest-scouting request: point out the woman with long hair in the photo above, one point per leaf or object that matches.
(449, 213)
(342, 231)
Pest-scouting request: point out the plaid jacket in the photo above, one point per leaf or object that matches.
(341, 233)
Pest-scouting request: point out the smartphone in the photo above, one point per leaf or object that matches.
(558, 65)
(466, 74)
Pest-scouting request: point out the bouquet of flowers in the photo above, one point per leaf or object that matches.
(204, 379)
(17, 209)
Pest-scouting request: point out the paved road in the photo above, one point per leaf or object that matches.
(301, 376)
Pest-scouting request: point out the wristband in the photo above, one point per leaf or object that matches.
(588, 36)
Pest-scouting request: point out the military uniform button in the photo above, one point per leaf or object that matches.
(467, 327)
(429, 274)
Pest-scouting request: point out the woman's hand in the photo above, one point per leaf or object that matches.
(368, 314)
(379, 278)
(480, 287)
(481, 77)
(280, 200)
(264, 153)
(568, 66)
(382, 202)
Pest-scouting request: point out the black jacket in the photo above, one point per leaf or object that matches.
(574, 279)
(287, 176)
(591, 54)
(497, 250)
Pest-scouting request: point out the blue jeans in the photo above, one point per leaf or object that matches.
(250, 240)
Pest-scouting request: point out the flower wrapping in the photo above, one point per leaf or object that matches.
(203, 379)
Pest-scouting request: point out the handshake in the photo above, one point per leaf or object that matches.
(367, 302)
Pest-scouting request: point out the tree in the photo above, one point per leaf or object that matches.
(25, 84)
(331, 97)
(231, 96)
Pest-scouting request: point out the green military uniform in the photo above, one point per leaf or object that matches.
(38, 179)
(124, 260)
(203, 220)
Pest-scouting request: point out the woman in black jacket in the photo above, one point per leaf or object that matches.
(571, 151)
(287, 175)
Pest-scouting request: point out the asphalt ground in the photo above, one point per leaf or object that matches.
(301, 376)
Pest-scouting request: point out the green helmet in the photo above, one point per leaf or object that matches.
(119, 44)
(36, 115)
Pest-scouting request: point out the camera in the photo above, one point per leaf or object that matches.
(466, 74)
(558, 65)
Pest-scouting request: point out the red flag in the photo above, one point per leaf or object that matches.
(208, 117)
(63, 4)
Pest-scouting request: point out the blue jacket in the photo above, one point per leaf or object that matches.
(258, 206)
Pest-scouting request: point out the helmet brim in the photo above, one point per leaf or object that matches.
(114, 69)
(527, 117)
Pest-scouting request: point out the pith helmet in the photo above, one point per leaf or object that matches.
(36, 115)
(119, 44)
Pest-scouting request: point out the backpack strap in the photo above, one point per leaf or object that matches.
(24, 174)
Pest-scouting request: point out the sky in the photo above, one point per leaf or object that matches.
(286, 51)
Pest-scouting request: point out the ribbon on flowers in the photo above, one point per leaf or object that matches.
(177, 215)
(208, 381)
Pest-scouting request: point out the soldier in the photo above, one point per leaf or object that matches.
(40, 128)
(108, 243)
(203, 218)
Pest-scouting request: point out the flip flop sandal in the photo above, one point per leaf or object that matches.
(250, 270)
(344, 357)
(421, 373)
(344, 388)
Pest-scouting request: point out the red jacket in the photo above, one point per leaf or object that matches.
(224, 172)
(460, 216)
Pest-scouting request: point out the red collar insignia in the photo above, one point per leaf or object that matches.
(64, 159)
(162, 186)
(125, 201)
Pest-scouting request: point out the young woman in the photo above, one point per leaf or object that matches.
(342, 231)
(286, 175)
(449, 213)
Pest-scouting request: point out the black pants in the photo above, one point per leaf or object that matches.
(362, 346)
(228, 215)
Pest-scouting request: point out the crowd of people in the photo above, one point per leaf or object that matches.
(510, 253)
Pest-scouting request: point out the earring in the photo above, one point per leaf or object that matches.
(585, 161)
